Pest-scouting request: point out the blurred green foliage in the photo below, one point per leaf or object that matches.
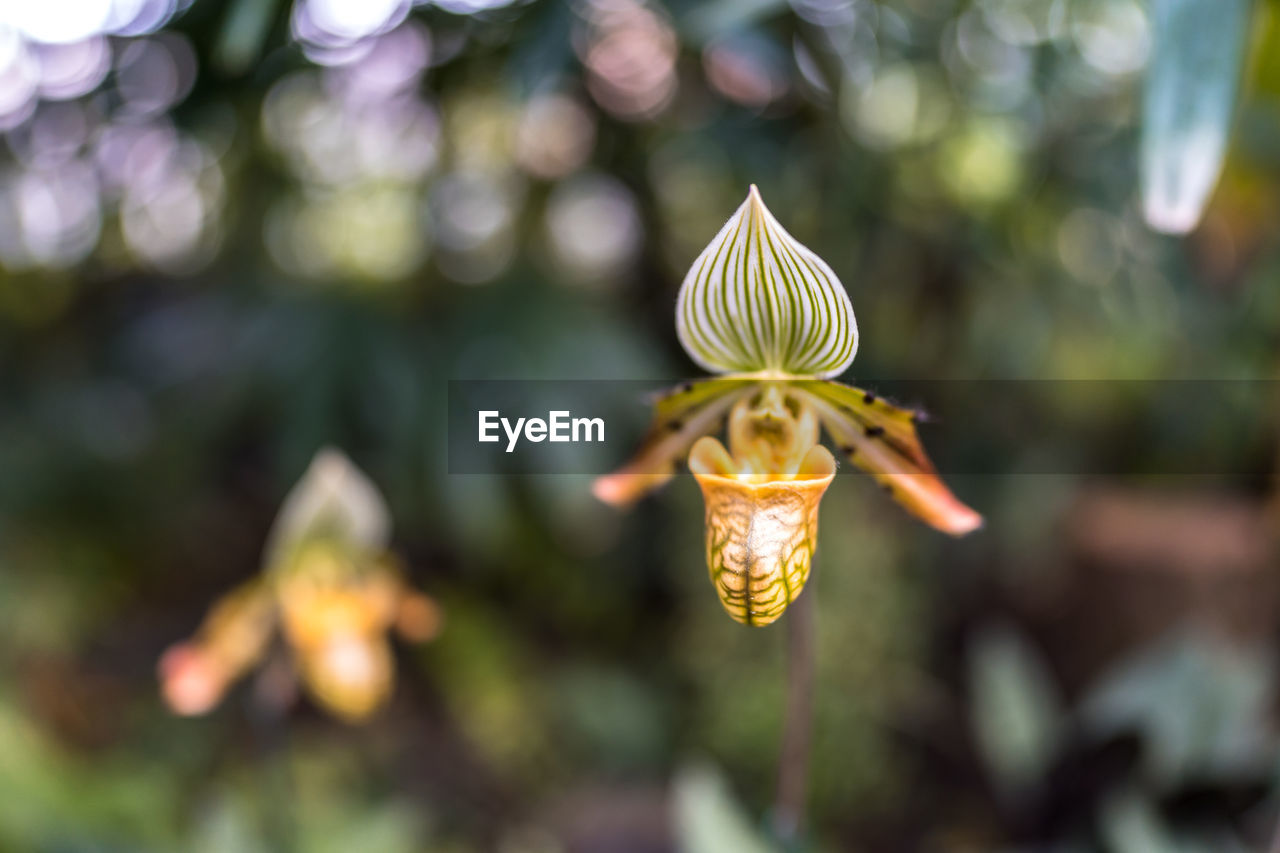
(305, 236)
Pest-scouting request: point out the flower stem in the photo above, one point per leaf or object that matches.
(797, 727)
(268, 711)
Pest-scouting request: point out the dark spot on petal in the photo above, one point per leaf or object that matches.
(685, 387)
(848, 449)
(675, 425)
(874, 431)
(868, 398)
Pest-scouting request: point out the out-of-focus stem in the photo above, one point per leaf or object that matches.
(797, 727)
(267, 714)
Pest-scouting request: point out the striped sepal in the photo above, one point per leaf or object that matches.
(681, 416)
(881, 439)
(757, 300)
(333, 501)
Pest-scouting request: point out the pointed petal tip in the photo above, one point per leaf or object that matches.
(609, 489)
(623, 488)
(936, 506)
(1171, 219)
(928, 499)
(962, 522)
(191, 683)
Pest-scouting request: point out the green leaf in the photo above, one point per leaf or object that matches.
(757, 300)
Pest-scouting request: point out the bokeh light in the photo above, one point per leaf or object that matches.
(594, 229)
(629, 50)
(1112, 35)
(904, 104)
(333, 32)
(475, 216)
(748, 70)
(360, 141)
(555, 135)
(55, 215)
(91, 164)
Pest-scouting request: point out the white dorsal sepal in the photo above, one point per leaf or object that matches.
(757, 300)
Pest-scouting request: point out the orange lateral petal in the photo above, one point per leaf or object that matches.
(681, 417)
(881, 439)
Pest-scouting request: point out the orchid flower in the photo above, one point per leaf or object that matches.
(335, 591)
(773, 320)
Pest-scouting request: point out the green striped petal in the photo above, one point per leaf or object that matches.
(756, 300)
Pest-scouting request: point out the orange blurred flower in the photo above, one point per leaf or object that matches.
(335, 592)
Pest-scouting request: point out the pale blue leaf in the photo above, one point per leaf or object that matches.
(1131, 825)
(707, 819)
(1188, 102)
(1201, 705)
(1016, 712)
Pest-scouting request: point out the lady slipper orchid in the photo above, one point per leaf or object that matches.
(335, 592)
(772, 318)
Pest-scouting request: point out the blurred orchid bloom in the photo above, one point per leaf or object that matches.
(333, 589)
(772, 317)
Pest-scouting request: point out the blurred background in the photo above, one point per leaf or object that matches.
(232, 233)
